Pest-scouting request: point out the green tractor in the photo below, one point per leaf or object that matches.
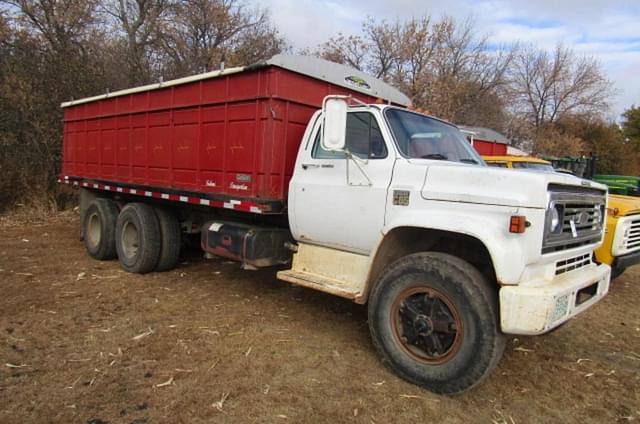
(584, 167)
(620, 184)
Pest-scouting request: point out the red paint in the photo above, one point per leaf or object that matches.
(490, 148)
(234, 136)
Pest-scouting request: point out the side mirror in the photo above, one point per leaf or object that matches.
(334, 130)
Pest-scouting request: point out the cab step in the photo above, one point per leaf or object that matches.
(320, 283)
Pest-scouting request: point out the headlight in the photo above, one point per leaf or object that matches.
(556, 217)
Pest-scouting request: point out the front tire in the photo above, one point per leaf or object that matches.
(138, 238)
(434, 321)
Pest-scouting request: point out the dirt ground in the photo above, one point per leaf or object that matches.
(84, 342)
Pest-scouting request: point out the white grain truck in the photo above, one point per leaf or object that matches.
(320, 169)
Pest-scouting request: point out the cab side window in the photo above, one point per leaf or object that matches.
(363, 140)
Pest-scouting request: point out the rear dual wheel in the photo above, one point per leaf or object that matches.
(433, 320)
(170, 235)
(147, 239)
(99, 227)
(138, 238)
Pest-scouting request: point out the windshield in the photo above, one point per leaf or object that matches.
(533, 165)
(421, 137)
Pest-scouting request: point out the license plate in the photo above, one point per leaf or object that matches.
(574, 231)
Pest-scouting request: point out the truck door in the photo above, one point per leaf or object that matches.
(338, 201)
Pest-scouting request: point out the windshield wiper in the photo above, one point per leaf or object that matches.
(469, 160)
(436, 156)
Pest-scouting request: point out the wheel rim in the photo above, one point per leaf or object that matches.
(94, 229)
(427, 325)
(130, 240)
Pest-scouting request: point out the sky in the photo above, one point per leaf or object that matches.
(607, 30)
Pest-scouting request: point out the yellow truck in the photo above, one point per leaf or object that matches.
(621, 246)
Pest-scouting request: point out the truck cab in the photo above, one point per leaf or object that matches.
(402, 209)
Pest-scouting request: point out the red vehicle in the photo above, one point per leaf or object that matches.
(225, 139)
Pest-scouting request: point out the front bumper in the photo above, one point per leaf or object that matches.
(625, 261)
(539, 308)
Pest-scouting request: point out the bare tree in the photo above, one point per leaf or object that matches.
(383, 46)
(418, 42)
(63, 23)
(443, 66)
(204, 33)
(375, 51)
(140, 22)
(351, 50)
(546, 86)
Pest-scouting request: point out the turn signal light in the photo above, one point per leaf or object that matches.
(517, 224)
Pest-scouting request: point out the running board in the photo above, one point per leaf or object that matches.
(320, 283)
(329, 270)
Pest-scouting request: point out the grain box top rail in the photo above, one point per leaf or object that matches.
(321, 69)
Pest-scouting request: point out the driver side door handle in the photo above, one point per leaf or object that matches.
(315, 165)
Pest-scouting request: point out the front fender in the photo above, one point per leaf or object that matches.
(508, 251)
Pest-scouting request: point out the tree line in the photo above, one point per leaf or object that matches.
(552, 102)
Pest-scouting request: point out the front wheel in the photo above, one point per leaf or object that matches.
(434, 320)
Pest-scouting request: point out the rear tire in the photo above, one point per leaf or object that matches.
(170, 239)
(138, 238)
(434, 321)
(99, 228)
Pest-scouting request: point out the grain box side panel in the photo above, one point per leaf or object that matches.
(184, 147)
(68, 147)
(237, 135)
(241, 149)
(123, 147)
(212, 142)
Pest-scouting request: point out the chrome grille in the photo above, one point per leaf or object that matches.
(633, 241)
(570, 264)
(582, 217)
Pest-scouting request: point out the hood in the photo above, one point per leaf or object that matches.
(627, 205)
(451, 181)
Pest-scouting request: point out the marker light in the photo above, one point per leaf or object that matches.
(517, 224)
